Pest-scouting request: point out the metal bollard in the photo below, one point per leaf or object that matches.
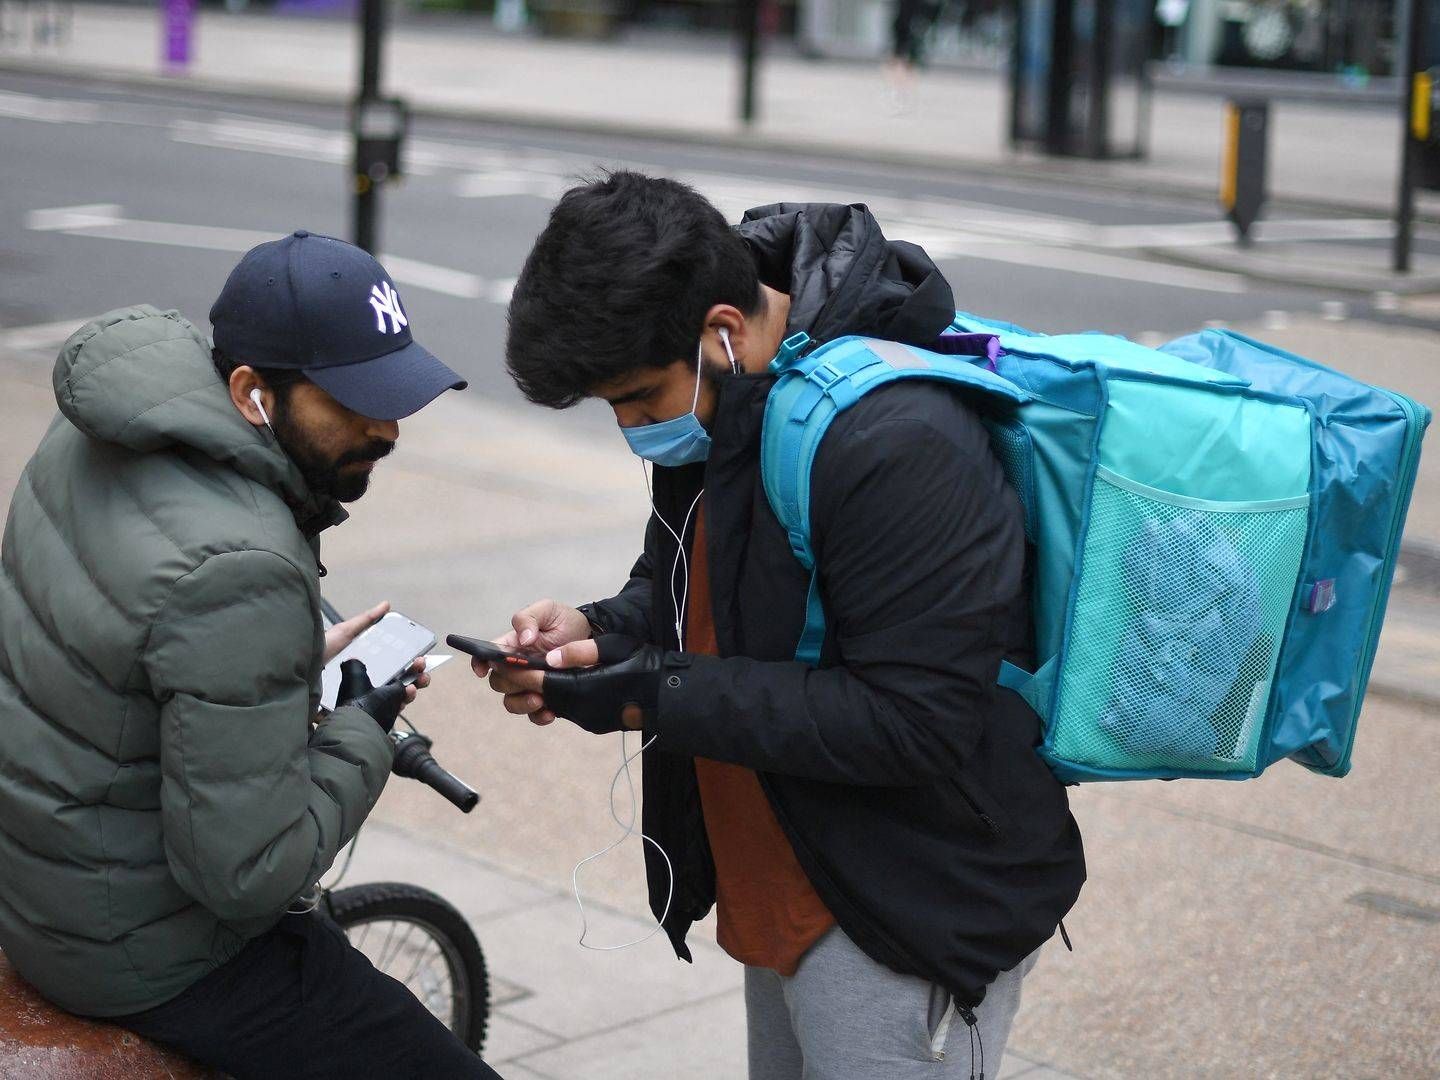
(1242, 172)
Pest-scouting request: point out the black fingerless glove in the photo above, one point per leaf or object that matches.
(381, 703)
(595, 698)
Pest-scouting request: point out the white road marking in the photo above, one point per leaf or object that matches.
(1096, 264)
(66, 218)
(501, 289)
(48, 110)
(439, 279)
(506, 183)
(39, 335)
(947, 228)
(285, 140)
(1209, 233)
(107, 221)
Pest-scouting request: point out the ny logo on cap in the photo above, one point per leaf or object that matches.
(386, 302)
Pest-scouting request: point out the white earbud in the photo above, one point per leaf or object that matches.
(255, 397)
(725, 340)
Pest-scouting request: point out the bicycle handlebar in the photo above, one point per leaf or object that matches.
(414, 761)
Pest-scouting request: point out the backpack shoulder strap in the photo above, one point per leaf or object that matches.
(813, 390)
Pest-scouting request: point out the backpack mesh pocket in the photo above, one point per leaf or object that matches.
(1176, 629)
(1012, 445)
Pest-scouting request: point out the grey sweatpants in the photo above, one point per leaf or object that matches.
(842, 1016)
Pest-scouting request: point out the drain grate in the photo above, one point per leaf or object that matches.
(1390, 904)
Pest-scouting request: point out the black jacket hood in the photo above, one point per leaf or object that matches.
(843, 276)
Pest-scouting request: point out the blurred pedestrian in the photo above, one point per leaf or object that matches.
(909, 32)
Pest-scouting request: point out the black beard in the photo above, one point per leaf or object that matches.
(323, 476)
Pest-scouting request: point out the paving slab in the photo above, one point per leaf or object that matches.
(1014, 1065)
(386, 852)
(1325, 266)
(704, 1040)
(515, 1071)
(579, 993)
(1377, 817)
(507, 1039)
(1203, 951)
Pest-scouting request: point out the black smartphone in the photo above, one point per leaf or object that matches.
(497, 654)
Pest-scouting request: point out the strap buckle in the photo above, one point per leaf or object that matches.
(800, 548)
(826, 375)
(789, 350)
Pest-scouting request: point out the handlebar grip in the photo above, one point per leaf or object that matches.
(452, 787)
(414, 761)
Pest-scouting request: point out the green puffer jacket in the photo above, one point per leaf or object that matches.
(163, 797)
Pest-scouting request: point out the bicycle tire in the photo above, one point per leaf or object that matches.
(389, 900)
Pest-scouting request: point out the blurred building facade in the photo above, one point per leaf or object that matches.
(1352, 38)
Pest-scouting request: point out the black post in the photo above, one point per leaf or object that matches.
(1101, 68)
(372, 18)
(1060, 90)
(1242, 176)
(1416, 28)
(749, 13)
(1018, 71)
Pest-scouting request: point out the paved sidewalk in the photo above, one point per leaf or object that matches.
(561, 1011)
(1282, 927)
(1322, 153)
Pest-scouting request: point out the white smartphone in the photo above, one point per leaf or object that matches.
(386, 649)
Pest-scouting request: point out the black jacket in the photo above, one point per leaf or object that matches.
(907, 783)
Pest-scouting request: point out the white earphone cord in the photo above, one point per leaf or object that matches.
(682, 564)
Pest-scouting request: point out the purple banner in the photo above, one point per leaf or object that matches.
(179, 16)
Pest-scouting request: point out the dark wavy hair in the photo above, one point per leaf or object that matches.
(620, 280)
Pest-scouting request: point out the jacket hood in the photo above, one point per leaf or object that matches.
(844, 277)
(143, 379)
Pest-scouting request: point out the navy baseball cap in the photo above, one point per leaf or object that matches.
(327, 308)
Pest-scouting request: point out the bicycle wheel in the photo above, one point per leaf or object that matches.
(423, 942)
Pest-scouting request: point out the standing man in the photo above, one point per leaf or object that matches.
(166, 804)
(886, 849)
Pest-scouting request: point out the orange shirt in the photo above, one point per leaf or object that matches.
(768, 912)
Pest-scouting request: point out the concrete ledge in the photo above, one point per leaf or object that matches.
(1326, 266)
(1109, 176)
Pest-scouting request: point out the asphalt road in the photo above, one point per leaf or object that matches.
(172, 186)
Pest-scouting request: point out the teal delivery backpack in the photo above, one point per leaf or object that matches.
(1215, 524)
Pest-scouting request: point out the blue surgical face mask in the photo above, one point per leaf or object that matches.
(681, 441)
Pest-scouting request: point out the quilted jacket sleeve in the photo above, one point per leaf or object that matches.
(254, 804)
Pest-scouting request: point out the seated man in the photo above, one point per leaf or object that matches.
(166, 806)
(886, 849)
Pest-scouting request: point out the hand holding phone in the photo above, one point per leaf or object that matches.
(497, 655)
(387, 649)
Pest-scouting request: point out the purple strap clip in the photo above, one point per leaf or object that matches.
(986, 345)
(1322, 597)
